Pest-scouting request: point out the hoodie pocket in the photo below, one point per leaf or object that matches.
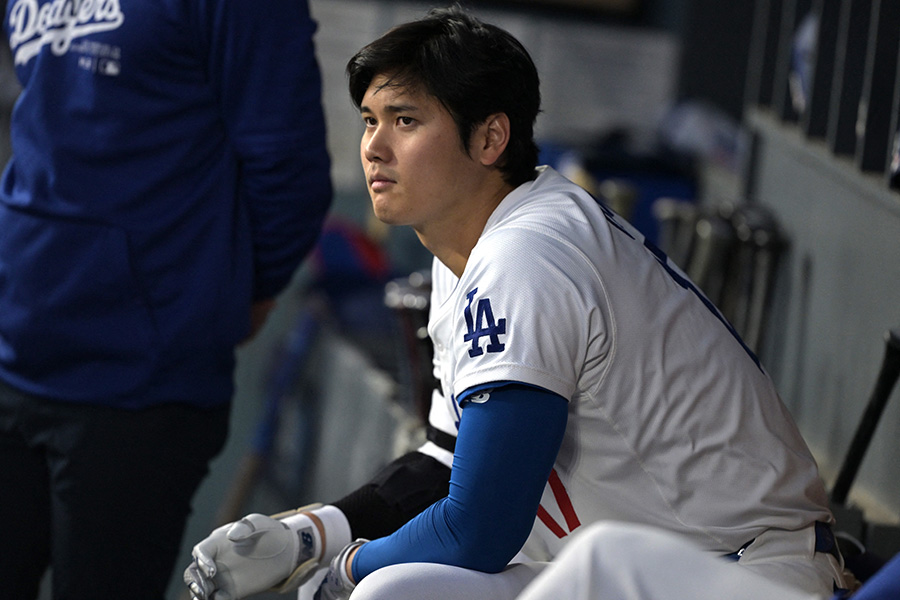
(71, 311)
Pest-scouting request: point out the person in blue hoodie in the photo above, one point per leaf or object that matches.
(169, 174)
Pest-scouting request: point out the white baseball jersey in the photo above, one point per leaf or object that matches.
(672, 422)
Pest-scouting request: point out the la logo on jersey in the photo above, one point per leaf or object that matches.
(483, 325)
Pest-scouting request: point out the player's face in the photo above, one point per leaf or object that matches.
(416, 169)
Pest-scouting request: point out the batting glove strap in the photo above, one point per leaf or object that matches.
(315, 548)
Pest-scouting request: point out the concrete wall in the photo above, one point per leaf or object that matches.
(837, 295)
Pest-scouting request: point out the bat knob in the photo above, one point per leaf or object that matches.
(892, 337)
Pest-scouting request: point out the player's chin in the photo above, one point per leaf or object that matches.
(385, 211)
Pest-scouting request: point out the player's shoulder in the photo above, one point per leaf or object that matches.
(545, 229)
(530, 265)
(550, 205)
(538, 235)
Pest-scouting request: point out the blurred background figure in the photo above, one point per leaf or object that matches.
(169, 174)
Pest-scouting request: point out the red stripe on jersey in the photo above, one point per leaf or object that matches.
(565, 503)
(552, 525)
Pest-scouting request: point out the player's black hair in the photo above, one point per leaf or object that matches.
(474, 69)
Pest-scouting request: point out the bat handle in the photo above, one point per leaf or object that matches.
(893, 339)
(887, 378)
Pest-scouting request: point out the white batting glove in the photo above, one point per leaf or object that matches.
(337, 584)
(260, 553)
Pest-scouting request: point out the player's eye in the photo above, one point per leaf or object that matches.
(405, 120)
(369, 121)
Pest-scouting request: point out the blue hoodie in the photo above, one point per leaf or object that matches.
(169, 168)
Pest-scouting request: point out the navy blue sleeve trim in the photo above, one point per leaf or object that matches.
(505, 450)
(476, 390)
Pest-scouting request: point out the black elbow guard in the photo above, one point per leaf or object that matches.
(399, 492)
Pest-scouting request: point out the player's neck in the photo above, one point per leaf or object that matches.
(452, 250)
(451, 240)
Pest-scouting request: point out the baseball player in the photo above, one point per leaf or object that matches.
(582, 376)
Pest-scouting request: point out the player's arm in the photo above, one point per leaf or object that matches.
(504, 454)
(281, 552)
(259, 313)
(231, 563)
(399, 492)
(269, 97)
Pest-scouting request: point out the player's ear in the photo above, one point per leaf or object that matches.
(492, 138)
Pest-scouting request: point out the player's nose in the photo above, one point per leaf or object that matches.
(376, 146)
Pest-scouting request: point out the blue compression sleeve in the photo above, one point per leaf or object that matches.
(505, 450)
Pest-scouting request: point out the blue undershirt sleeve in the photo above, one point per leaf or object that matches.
(505, 449)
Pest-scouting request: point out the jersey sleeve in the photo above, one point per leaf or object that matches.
(528, 311)
(505, 450)
(263, 69)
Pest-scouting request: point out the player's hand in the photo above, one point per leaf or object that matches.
(337, 584)
(245, 557)
(259, 553)
(259, 313)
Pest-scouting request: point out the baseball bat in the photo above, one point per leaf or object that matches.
(887, 377)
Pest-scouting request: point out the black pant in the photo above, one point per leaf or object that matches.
(100, 494)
